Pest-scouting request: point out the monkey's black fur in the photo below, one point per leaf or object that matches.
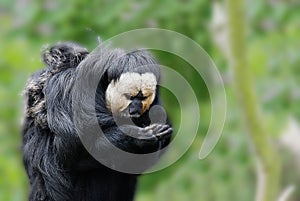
(58, 165)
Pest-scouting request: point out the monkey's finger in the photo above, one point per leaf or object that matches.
(165, 133)
(147, 137)
(161, 128)
(152, 127)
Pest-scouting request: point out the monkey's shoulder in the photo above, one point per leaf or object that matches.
(64, 55)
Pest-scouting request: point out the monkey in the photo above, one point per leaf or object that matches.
(58, 165)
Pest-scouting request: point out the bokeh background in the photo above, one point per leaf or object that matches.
(272, 48)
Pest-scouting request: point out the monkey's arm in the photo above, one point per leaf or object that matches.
(135, 139)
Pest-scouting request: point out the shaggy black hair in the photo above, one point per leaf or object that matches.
(58, 165)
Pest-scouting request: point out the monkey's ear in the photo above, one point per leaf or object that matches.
(64, 55)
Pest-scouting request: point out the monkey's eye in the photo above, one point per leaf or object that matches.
(139, 98)
(144, 98)
(128, 96)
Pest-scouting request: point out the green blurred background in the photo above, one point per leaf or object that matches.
(228, 173)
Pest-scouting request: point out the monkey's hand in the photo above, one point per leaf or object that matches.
(152, 132)
(138, 132)
(160, 130)
(148, 139)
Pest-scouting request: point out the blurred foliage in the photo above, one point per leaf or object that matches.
(228, 173)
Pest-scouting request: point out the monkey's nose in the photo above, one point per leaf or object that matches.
(133, 111)
(135, 108)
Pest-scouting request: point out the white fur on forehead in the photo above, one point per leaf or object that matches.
(134, 82)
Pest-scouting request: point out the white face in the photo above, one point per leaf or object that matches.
(119, 92)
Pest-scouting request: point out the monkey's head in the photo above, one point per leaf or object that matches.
(132, 94)
(132, 85)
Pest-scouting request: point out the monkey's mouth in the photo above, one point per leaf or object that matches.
(127, 115)
(124, 115)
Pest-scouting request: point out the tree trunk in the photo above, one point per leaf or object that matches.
(268, 161)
